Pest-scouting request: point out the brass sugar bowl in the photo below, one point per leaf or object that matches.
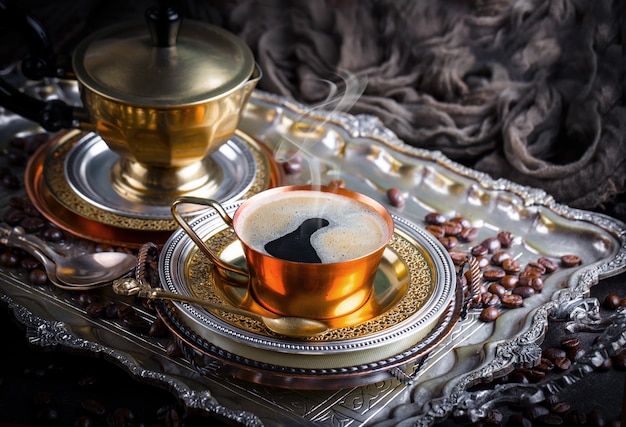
(163, 96)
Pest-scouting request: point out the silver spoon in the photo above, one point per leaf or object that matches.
(295, 327)
(77, 273)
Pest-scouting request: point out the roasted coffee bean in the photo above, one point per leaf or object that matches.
(524, 291)
(13, 217)
(468, 234)
(493, 275)
(293, 165)
(536, 266)
(32, 224)
(489, 314)
(95, 309)
(451, 228)
(37, 277)
(449, 242)
(465, 223)
(492, 244)
(436, 230)
(499, 257)
(158, 329)
(489, 300)
(9, 259)
(570, 260)
(575, 354)
(111, 310)
(498, 289)
(86, 298)
(396, 198)
(548, 264)
(572, 343)
(458, 257)
(173, 349)
(511, 300)
(125, 310)
(53, 234)
(545, 365)
(560, 407)
(505, 238)
(553, 353)
(483, 262)
(435, 218)
(562, 363)
(509, 281)
(93, 406)
(511, 266)
(479, 251)
(29, 263)
(611, 301)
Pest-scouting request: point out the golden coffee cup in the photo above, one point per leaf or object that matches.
(334, 287)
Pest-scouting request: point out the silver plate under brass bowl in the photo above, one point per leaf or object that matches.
(77, 167)
(89, 163)
(413, 290)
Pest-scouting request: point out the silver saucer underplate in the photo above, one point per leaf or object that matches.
(414, 292)
(89, 163)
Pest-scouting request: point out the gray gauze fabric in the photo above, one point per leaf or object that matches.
(528, 90)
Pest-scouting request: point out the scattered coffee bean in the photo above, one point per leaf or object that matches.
(506, 239)
(611, 301)
(396, 198)
(570, 260)
(38, 277)
(489, 314)
(435, 218)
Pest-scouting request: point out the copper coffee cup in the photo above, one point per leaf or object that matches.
(316, 290)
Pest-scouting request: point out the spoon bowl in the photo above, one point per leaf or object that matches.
(82, 272)
(294, 327)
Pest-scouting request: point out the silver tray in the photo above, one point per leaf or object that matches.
(371, 159)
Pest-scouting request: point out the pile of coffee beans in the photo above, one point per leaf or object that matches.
(505, 282)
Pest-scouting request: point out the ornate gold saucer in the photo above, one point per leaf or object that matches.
(413, 306)
(67, 180)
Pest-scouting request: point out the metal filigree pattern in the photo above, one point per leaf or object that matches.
(420, 288)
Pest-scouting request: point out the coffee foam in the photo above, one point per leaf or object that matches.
(354, 230)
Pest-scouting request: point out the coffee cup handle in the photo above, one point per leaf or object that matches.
(231, 272)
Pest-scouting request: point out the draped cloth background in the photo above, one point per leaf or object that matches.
(527, 90)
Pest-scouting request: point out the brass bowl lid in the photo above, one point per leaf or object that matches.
(188, 63)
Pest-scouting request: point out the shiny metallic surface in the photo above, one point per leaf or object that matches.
(312, 290)
(417, 307)
(88, 167)
(121, 64)
(371, 159)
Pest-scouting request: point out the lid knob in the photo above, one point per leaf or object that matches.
(164, 23)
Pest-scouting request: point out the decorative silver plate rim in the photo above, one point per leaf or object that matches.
(89, 162)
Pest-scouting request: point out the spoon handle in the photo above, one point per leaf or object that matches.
(159, 293)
